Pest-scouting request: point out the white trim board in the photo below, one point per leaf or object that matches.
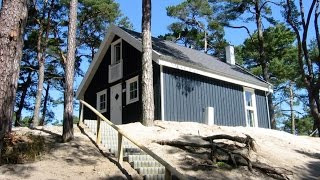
(252, 108)
(210, 74)
(162, 93)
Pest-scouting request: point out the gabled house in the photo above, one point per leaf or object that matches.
(189, 85)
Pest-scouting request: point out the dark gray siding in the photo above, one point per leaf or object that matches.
(262, 111)
(131, 68)
(186, 96)
(157, 91)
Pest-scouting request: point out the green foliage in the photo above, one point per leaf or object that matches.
(59, 122)
(195, 24)
(280, 51)
(224, 165)
(26, 121)
(93, 19)
(304, 125)
(227, 11)
(94, 16)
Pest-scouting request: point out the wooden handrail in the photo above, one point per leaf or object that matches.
(170, 170)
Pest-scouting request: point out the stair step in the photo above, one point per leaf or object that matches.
(140, 164)
(154, 177)
(139, 160)
(132, 158)
(151, 170)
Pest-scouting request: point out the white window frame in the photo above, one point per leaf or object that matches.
(100, 93)
(252, 108)
(128, 82)
(112, 51)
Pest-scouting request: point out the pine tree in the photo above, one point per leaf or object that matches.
(69, 74)
(300, 23)
(147, 72)
(13, 17)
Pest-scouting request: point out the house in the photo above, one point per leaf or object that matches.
(189, 85)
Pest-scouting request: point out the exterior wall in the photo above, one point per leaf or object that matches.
(131, 67)
(262, 110)
(98, 83)
(157, 91)
(187, 95)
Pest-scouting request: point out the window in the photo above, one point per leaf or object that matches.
(132, 90)
(102, 101)
(250, 108)
(116, 52)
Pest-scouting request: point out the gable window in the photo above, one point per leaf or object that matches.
(250, 108)
(132, 90)
(116, 52)
(102, 101)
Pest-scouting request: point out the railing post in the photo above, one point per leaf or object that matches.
(167, 175)
(81, 114)
(98, 130)
(120, 148)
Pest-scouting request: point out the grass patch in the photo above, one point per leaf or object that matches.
(22, 148)
(224, 165)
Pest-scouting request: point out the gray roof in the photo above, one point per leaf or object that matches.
(174, 52)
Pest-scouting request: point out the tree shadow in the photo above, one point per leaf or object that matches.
(74, 153)
(110, 157)
(22, 171)
(313, 166)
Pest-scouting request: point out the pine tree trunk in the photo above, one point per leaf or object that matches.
(41, 49)
(24, 90)
(45, 105)
(293, 126)
(35, 121)
(263, 60)
(13, 17)
(147, 71)
(69, 74)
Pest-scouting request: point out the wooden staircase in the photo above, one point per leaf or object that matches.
(144, 164)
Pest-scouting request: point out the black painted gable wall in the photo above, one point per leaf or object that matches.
(131, 67)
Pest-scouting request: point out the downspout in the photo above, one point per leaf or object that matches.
(268, 113)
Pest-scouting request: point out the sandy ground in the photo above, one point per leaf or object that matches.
(300, 155)
(78, 160)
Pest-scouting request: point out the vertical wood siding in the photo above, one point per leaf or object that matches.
(98, 83)
(157, 91)
(131, 68)
(262, 111)
(187, 95)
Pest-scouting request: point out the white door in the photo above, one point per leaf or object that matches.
(116, 104)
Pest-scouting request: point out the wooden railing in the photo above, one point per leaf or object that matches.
(170, 170)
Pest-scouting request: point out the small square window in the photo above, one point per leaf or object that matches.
(116, 52)
(102, 101)
(132, 90)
